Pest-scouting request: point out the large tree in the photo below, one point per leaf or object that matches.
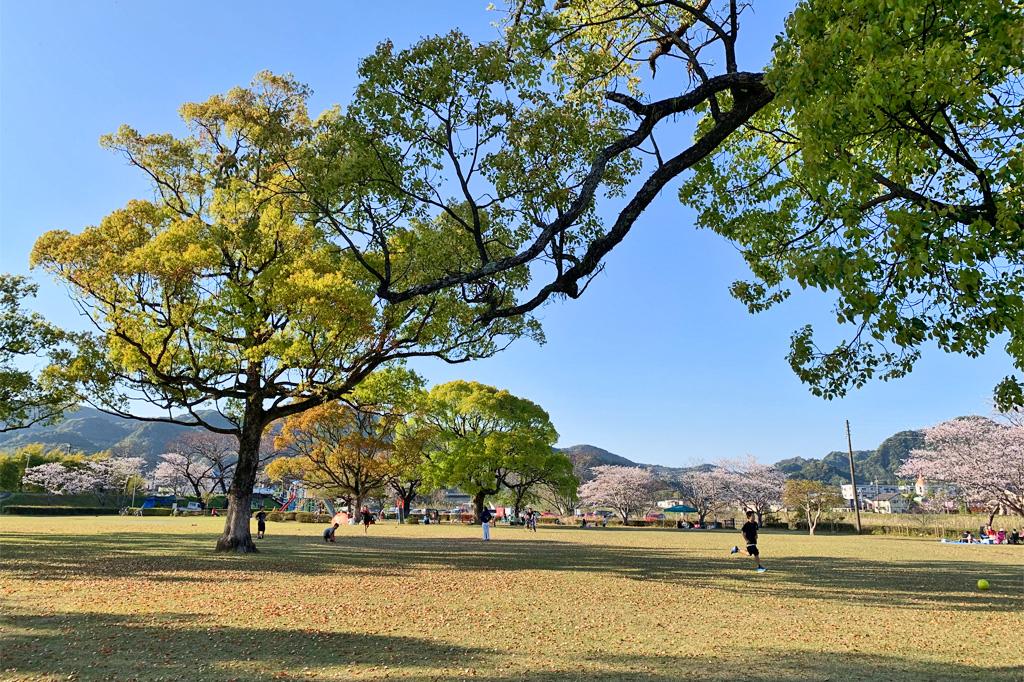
(26, 398)
(484, 436)
(887, 169)
(240, 286)
(982, 458)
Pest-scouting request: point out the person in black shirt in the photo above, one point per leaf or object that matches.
(485, 523)
(749, 531)
(261, 524)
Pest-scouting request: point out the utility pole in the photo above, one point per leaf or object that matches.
(853, 475)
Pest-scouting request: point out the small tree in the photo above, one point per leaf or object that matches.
(705, 491)
(349, 449)
(564, 499)
(625, 490)
(812, 499)
(752, 486)
(554, 470)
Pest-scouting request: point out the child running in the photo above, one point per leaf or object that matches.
(749, 531)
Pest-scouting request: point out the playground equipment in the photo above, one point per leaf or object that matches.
(297, 500)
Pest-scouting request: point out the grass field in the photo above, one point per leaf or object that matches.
(114, 598)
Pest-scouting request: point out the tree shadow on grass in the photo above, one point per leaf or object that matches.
(944, 585)
(172, 646)
(763, 664)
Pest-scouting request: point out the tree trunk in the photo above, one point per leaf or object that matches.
(357, 510)
(478, 505)
(517, 505)
(700, 517)
(236, 537)
(199, 493)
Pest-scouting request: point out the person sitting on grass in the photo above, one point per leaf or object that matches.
(749, 531)
(329, 532)
(1014, 537)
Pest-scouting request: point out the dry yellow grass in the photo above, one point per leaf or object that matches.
(114, 598)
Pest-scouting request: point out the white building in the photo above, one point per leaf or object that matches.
(890, 503)
(866, 492)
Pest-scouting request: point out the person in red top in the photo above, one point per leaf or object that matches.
(367, 519)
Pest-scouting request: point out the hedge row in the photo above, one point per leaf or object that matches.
(36, 510)
(301, 516)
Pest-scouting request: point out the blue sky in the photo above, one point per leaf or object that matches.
(656, 362)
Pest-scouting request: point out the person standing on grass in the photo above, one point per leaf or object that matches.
(485, 523)
(367, 519)
(261, 524)
(749, 531)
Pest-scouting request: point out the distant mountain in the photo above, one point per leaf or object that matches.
(90, 430)
(586, 457)
(872, 465)
(590, 456)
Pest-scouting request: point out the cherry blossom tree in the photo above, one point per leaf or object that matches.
(179, 471)
(751, 485)
(983, 459)
(210, 458)
(60, 479)
(625, 490)
(109, 475)
(705, 491)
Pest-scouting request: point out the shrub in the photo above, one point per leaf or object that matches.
(217, 502)
(35, 510)
(275, 516)
(290, 516)
(305, 517)
(414, 518)
(151, 511)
